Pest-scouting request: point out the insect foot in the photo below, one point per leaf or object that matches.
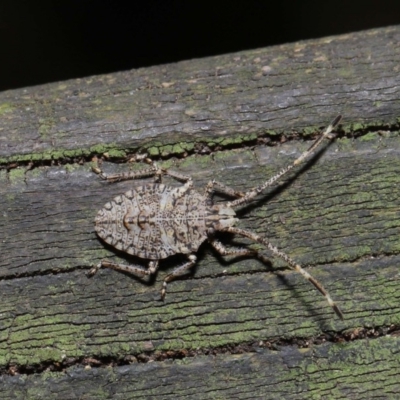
(154, 221)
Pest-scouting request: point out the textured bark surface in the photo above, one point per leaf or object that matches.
(339, 216)
(327, 371)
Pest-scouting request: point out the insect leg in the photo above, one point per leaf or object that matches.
(179, 271)
(326, 134)
(179, 191)
(233, 251)
(176, 175)
(123, 176)
(153, 170)
(214, 186)
(135, 270)
(292, 264)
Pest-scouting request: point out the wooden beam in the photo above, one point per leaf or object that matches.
(239, 118)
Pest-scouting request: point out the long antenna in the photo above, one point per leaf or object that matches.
(255, 191)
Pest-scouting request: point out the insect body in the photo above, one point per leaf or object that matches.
(155, 221)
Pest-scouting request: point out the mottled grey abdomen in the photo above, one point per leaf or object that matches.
(152, 223)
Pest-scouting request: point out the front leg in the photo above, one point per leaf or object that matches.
(221, 249)
(215, 186)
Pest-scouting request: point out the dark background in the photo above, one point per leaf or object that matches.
(45, 41)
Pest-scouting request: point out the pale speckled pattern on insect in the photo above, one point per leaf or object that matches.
(152, 222)
(155, 221)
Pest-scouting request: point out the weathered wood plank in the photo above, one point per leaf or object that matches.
(51, 317)
(341, 210)
(170, 108)
(324, 371)
(344, 207)
(339, 216)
